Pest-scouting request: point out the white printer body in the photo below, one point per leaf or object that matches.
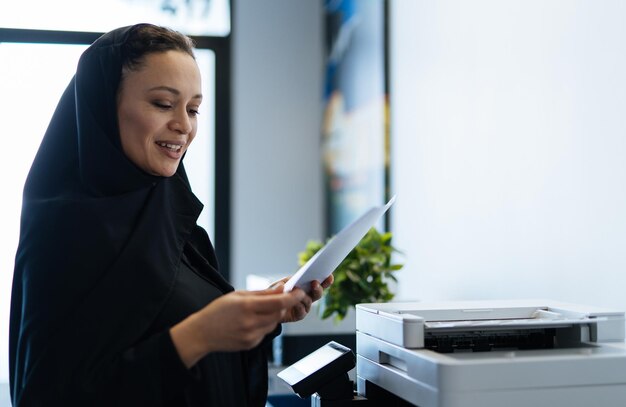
(492, 353)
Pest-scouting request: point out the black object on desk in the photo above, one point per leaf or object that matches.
(326, 368)
(324, 374)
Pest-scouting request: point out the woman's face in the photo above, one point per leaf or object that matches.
(157, 110)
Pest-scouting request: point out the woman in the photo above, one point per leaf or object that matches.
(116, 297)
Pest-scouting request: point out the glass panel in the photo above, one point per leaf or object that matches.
(32, 91)
(200, 158)
(192, 17)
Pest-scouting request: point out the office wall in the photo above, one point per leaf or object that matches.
(509, 146)
(277, 109)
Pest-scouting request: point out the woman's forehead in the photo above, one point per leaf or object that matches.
(166, 71)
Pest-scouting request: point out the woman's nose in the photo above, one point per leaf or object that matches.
(181, 123)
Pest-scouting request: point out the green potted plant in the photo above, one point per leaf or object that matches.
(362, 277)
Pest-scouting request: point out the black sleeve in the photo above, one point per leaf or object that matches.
(150, 373)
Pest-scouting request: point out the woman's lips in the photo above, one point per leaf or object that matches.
(174, 151)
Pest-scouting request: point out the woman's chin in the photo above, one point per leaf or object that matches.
(165, 172)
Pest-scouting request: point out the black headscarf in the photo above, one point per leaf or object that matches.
(100, 240)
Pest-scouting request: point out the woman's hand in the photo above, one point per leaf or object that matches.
(233, 322)
(300, 310)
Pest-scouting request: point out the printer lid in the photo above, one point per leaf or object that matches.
(477, 310)
(415, 319)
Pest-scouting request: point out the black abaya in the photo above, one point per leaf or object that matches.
(105, 255)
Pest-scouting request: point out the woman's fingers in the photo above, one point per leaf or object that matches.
(279, 283)
(299, 310)
(316, 291)
(327, 283)
(240, 319)
(270, 300)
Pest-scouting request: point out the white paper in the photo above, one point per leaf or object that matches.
(326, 260)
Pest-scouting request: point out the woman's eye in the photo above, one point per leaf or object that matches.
(162, 105)
(194, 112)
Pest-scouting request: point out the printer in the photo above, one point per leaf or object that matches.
(490, 354)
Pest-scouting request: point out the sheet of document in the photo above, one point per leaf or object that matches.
(326, 260)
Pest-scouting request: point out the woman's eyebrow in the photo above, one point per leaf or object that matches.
(173, 91)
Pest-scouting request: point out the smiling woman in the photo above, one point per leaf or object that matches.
(31, 92)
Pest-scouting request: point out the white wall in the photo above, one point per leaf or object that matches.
(277, 110)
(509, 149)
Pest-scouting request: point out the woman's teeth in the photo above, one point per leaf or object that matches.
(172, 147)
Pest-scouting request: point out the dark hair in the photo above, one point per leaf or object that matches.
(145, 39)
